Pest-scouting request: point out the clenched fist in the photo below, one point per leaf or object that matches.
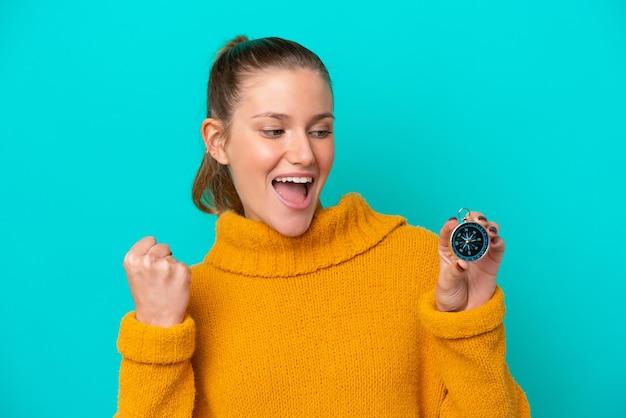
(159, 284)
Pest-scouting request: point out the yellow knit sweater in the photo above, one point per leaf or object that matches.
(340, 321)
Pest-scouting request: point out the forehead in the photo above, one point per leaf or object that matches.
(286, 91)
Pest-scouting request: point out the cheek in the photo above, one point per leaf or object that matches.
(264, 154)
(326, 156)
(247, 156)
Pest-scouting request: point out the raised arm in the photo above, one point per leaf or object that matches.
(465, 316)
(470, 351)
(157, 340)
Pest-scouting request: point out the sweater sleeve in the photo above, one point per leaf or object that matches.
(156, 378)
(470, 350)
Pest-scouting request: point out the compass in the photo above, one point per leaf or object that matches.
(469, 240)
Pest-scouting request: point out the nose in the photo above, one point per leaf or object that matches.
(300, 150)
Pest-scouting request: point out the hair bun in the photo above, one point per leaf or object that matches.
(232, 43)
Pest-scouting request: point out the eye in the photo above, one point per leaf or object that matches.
(320, 134)
(272, 133)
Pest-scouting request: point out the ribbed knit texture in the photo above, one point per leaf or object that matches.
(340, 321)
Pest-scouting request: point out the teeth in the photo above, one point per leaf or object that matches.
(295, 179)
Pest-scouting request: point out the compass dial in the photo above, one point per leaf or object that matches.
(469, 241)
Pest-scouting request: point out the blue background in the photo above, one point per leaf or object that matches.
(517, 109)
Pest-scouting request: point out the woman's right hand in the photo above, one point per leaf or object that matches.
(158, 283)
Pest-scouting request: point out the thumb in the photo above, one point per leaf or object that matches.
(446, 231)
(453, 274)
(451, 293)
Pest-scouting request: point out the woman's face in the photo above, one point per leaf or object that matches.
(280, 147)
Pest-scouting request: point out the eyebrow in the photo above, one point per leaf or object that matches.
(284, 117)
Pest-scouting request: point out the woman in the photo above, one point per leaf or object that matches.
(299, 310)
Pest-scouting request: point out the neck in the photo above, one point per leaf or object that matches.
(336, 234)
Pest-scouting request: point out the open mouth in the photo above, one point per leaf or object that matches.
(293, 190)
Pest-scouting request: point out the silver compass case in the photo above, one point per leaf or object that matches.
(469, 241)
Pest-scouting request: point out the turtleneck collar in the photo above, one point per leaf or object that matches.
(336, 234)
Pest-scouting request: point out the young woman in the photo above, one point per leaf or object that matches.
(300, 310)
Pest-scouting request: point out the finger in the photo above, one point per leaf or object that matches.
(160, 251)
(493, 229)
(460, 266)
(497, 247)
(183, 271)
(479, 218)
(456, 272)
(171, 259)
(142, 246)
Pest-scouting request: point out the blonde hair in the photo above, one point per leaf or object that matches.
(213, 190)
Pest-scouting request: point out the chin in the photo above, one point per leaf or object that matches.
(293, 227)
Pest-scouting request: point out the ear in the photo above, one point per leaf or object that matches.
(212, 131)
